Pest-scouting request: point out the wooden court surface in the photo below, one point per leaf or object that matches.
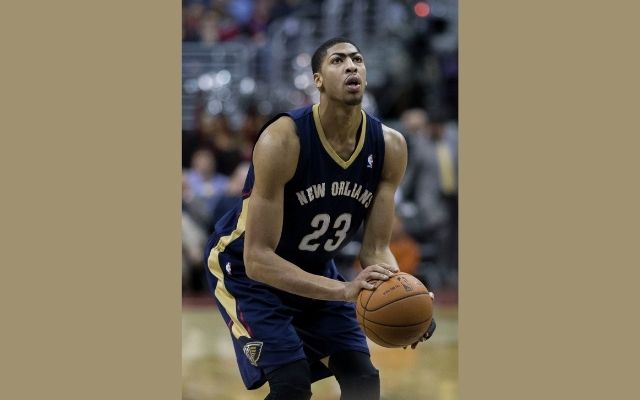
(210, 372)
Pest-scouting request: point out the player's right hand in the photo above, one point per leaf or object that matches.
(375, 272)
(427, 335)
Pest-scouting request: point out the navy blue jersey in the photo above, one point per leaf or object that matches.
(325, 203)
(327, 199)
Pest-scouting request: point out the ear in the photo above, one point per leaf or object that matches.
(317, 79)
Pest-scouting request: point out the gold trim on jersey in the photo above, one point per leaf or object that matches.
(222, 294)
(327, 146)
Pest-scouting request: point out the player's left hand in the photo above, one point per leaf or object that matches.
(428, 333)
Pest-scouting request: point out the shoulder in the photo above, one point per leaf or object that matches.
(394, 141)
(278, 148)
(281, 132)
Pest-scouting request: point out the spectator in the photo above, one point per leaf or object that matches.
(444, 137)
(193, 236)
(192, 13)
(232, 194)
(204, 186)
(193, 239)
(249, 130)
(195, 206)
(421, 206)
(257, 25)
(209, 27)
(428, 200)
(216, 133)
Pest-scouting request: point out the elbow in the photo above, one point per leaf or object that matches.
(251, 264)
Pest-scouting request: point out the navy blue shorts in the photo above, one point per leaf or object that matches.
(270, 327)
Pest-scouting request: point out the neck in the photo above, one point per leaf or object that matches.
(339, 121)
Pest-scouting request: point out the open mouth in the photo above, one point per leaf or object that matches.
(353, 83)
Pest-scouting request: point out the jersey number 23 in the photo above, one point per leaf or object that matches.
(322, 222)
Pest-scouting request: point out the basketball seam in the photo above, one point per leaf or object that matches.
(381, 307)
(364, 310)
(382, 340)
(399, 326)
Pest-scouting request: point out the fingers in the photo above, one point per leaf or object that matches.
(375, 272)
(368, 285)
(387, 267)
(426, 336)
(370, 277)
(380, 271)
(378, 276)
(414, 345)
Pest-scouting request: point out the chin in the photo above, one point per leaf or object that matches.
(354, 101)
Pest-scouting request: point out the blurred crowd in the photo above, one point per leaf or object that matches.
(217, 146)
(211, 21)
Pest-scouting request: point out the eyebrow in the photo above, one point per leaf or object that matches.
(344, 54)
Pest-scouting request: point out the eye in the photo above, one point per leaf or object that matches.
(357, 59)
(336, 60)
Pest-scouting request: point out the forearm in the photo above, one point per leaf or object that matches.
(379, 256)
(267, 267)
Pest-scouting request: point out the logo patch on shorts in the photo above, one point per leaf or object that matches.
(253, 350)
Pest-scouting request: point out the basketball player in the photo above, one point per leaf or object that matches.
(318, 173)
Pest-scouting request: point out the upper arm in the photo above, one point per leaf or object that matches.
(395, 157)
(377, 231)
(275, 159)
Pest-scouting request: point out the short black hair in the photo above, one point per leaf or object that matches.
(321, 51)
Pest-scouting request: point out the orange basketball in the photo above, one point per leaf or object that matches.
(397, 312)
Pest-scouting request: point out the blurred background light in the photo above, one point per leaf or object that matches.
(247, 85)
(303, 60)
(223, 77)
(422, 9)
(205, 82)
(302, 81)
(214, 107)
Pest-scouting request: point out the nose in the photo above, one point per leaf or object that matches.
(350, 66)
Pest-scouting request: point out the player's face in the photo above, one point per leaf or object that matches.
(342, 74)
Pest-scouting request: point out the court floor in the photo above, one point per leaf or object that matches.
(209, 370)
